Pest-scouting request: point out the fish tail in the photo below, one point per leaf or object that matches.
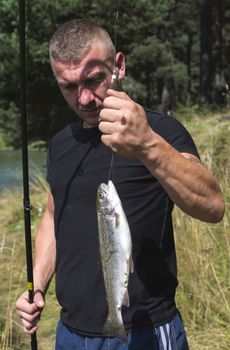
(110, 329)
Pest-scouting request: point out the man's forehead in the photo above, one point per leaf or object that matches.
(72, 72)
(97, 56)
(95, 60)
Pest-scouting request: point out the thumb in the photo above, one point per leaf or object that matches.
(39, 298)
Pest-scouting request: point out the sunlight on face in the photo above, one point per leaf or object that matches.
(84, 84)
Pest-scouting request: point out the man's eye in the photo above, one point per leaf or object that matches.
(68, 87)
(94, 81)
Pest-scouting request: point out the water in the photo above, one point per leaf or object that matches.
(11, 167)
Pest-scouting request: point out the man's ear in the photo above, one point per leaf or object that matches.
(120, 65)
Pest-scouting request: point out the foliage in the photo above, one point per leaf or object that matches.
(170, 47)
(10, 124)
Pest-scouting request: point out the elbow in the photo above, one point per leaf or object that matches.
(217, 209)
(211, 211)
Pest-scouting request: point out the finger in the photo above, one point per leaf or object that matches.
(120, 94)
(30, 319)
(117, 101)
(113, 102)
(39, 299)
(108, 127)
(24, 306)
(28, 325)
(24, 298)
(107, 140)
(30, 330)
(110, 115)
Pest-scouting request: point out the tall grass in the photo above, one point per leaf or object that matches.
(203, 252)
(204, 249)
(13, 277)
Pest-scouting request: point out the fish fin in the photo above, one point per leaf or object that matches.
(110, 330)
(107, 327)
(117, 220)
(125, 300)
(121, 335)
(131, 265)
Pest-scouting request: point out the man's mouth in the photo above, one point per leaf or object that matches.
(91, 109)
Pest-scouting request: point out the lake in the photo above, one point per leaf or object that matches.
(11, 167)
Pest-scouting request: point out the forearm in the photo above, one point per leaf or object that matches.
(188, 183)
(45, 252)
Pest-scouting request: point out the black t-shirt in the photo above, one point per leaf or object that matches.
(77, 164)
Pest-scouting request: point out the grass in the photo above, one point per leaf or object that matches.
(13, 270)
(203, 249)
(203, 252)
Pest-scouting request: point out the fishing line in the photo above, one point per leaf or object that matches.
(110, 175)
(111, 166)
(115, 29)
(115, 46)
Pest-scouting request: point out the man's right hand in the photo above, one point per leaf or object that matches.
(30, 312)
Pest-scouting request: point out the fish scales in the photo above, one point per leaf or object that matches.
(115, 251)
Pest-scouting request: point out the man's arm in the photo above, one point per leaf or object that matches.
(45, 249)
(188, 183)
(44, 268)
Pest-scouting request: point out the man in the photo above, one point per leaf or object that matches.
(155, 164)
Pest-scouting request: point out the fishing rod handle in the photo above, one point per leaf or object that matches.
(34, 345)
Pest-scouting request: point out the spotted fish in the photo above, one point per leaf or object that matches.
(116, 260)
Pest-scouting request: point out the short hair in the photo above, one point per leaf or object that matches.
(73, 40)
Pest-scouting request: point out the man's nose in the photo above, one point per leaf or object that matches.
(85, 95)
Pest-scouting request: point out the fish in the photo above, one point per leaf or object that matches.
(115, 246)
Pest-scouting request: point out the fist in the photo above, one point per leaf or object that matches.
(30, 312)
(124, 125)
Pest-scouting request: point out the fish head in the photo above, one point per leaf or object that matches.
(104, 199)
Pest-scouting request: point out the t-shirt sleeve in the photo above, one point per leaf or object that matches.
(175, 134)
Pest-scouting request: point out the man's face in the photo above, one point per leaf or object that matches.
(84, 84)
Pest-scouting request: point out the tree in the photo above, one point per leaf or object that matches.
(177, 51)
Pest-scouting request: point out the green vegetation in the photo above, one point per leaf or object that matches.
(2, 143)
(177, 52)
(203, 254)
(13, 270)
(204, 249)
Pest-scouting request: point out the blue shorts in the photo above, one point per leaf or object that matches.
(170, 336)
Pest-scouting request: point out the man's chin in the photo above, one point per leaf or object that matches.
(87, 124)
(90, 117)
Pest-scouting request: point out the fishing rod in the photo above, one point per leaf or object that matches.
(26, 198)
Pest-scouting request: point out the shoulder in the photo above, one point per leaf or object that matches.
(65, 133)
(172, 130)
(162, 122)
